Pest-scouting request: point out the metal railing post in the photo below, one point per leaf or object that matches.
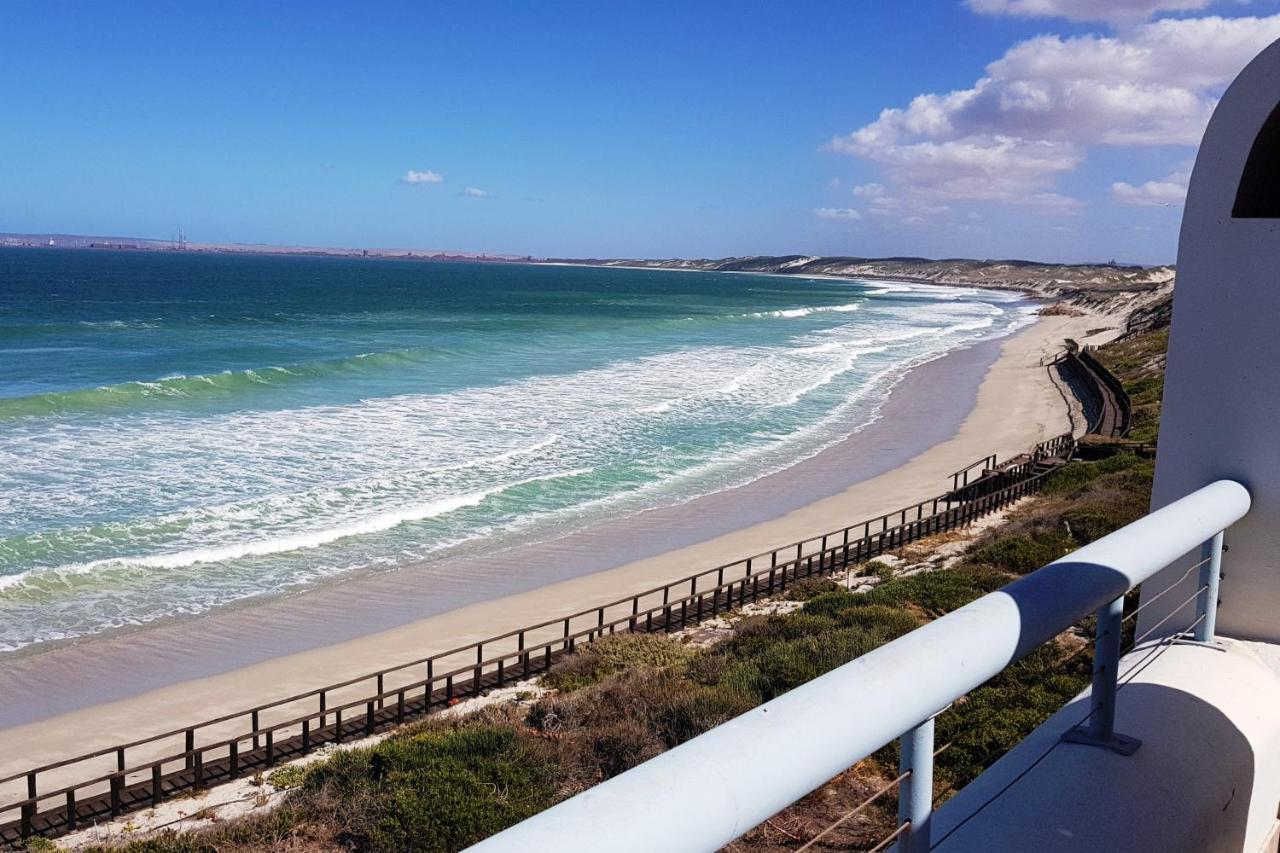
(1207, 602)
(1100, 729)
(915, 793)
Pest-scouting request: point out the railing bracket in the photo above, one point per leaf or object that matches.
(1123, 744)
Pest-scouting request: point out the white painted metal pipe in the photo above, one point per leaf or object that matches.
(706, 792)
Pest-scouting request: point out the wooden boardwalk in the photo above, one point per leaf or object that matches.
(1106, 404)
(1115, 410)
(210, 757)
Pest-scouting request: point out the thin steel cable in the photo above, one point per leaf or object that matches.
(854, 811)
(991, 712)
(1170, 615)
(1170, 588)
(1159, 649)
(1171, 640)
(885, 843)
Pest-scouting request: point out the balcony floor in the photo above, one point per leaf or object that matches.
(1206, 778)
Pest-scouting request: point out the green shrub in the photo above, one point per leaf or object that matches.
(789, 663)
(828, 606)
(168, 841)
(700, 709)
(892, 621)
(40, 845)
(994, 718)
(608, 727)
(879, 569)
(807, 588)
(1074, 478)
(609, 655)
(1021, 554)
(757, 633)
(936, 593)
(621, 745)
(1070, 478)
(1089, 523)
(289, 776)
(433, 790)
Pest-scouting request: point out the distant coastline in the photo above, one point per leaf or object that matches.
(1117, 290)
(150, 244)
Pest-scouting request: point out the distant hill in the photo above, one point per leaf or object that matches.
(1113, 288)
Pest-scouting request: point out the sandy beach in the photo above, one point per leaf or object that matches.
(91, 695)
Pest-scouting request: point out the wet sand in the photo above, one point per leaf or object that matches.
(991, 397)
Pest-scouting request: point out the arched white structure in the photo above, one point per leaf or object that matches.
(1221, 413)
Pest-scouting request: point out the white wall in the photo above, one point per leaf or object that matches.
(1222, 394)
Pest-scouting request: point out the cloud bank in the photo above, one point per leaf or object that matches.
(428, 177)
(1117, 12)
(836, 213)
(1169, 192)
(1037, 109)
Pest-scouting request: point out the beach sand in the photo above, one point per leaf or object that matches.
(102, 692)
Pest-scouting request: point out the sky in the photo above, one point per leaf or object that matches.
(1060, 130)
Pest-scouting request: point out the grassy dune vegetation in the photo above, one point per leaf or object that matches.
(445, 783)
(1139, 362)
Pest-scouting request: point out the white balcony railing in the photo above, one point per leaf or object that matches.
(704, 793)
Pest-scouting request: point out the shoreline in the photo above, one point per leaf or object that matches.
(963, 369)
(101, 687)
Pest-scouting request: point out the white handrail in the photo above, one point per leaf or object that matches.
(704, 793)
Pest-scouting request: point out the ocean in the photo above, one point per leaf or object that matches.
(181, 431)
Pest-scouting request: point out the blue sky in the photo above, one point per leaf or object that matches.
(608, 129)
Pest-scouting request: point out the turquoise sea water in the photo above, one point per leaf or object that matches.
(180, 431)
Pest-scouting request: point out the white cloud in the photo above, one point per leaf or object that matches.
(869, 190)
(1169, 192)
(428, 177)
(1038, 108)
(836, 213)
(1120, 12)
(903, 209)
(475, 193)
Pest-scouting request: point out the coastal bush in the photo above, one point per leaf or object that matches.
(893, 621)
(1023, 553)
(613, 654)
(879, 569)
(826, 607)
(1138, 363)
(1088, 523)
(700, 709)
(289, 827)
(437, 789)
(756, 633)
(618, 747)
(992, 719)
(783, 665)
(807, 588)
(40, 845)
(1074, 478)
(935, 593)
(289, 776)
(607, 728)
